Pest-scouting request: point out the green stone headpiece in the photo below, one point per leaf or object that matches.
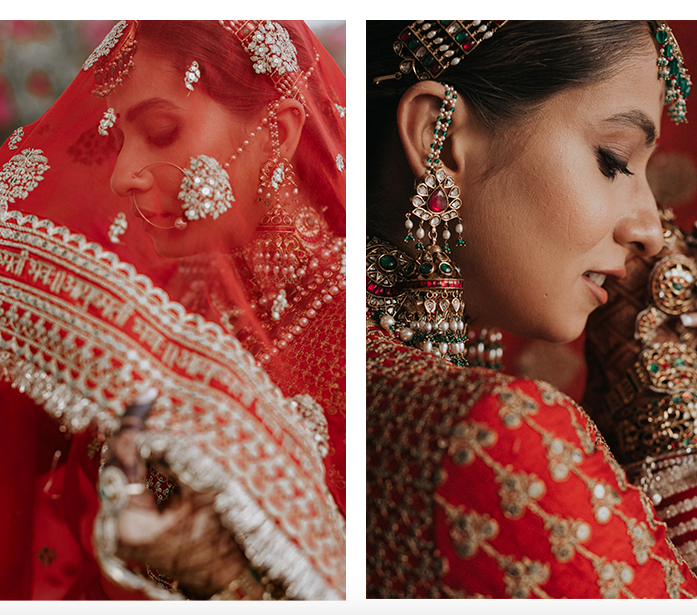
(671, 68)
(428, 47)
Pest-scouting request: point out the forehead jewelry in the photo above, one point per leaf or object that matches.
(191, 76)
(273, 54)
(113, 58)
(671, 68)
(427, 48)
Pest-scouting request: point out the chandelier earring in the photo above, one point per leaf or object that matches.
(421, 300)
(276, 177)
(437, 198)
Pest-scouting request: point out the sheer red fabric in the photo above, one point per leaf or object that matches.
(258, 406)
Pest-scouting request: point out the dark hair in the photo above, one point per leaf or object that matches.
(523, 64)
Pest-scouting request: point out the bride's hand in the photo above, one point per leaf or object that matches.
(185, 541)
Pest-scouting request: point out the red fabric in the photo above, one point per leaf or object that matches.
(477, 480)
(45, 541)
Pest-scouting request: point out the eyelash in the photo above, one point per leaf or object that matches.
(163, 138)
(611, 165)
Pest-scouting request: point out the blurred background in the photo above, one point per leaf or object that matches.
(38, 59)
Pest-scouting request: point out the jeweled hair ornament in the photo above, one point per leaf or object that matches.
(671, 68)
(191, 76)
(272, 53)
(427, 48)
(113, 58)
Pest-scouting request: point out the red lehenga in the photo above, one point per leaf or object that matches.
(90, 313)
(484, 485)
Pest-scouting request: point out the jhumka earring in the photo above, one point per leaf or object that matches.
(421, 299)
(276, 254)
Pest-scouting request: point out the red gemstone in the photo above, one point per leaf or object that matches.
(437, 202)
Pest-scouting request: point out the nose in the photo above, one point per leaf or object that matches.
(126, 177)
(640, 231)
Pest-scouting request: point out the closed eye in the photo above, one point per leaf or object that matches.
(610, 164)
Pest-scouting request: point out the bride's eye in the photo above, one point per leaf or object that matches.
(163, 137)
(610, 164)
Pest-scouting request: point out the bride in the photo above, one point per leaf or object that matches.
(172, 288)
(526, 144)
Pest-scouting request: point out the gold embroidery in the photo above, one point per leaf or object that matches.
(468, 530)
(80, 332)
(565, 535)
(524, 577)
(612, 578)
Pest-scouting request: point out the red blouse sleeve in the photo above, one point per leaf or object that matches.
(532, 504)
(482, 485)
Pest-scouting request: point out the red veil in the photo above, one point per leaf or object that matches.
(90, 315)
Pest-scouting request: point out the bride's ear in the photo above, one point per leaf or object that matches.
(290, 116)
(418, 110)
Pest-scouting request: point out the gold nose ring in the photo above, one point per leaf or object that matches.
(180, 224)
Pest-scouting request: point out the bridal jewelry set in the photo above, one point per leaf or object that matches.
(287, 248)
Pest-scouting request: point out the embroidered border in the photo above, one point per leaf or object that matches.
(81, 333)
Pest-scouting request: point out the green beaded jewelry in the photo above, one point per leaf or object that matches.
(671, 68)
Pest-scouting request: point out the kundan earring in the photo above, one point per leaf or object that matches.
(420, 299)
(276, 255)
(437, 198)
(276, 175)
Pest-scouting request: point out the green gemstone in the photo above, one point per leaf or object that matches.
(409, 237)
(387, 262)
(683, 85)
(674, 67)
(653, 368)
(445, 268)
(426, 269)
(445, 22)
(413, 43)
(461, 36)
(428, 61)
(661, 36)
(668, 51)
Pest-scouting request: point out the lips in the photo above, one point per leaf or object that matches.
(595, 280)
(598, 278)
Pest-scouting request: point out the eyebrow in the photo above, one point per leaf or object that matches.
(637, 119)
(148, 105)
